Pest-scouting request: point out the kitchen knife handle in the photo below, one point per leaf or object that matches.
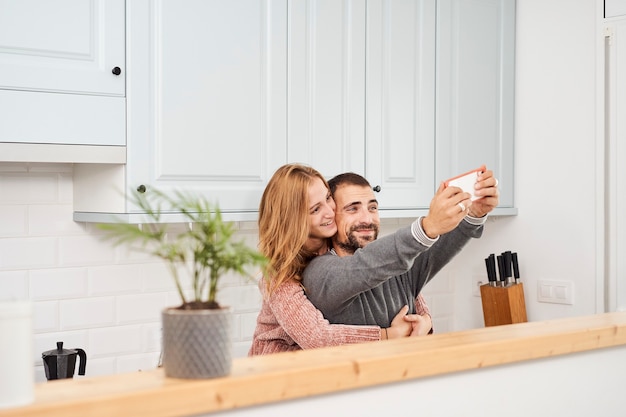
(515, 265)
(507, 263)
(501, 268)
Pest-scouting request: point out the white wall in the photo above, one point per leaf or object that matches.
(108, 302)
(556, 165)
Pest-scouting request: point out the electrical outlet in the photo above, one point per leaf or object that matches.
(557, 292)
(478, 281)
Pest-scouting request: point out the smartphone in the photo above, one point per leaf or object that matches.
(466, 181)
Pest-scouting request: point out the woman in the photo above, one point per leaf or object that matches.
(296, 218)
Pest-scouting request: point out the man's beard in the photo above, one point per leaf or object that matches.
(353, 243)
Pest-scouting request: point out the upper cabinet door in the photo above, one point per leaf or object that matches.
(68, 46)
(400, 85)
(475, 89)
(207, 96)
(614, 8)
(326, 72)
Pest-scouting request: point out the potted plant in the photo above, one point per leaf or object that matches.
(197, 334)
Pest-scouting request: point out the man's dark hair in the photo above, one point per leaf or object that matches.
(347, 178)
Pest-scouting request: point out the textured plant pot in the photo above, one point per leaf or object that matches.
(197, 343)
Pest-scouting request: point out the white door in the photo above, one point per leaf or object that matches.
(400, 97)
(326, 72)
(207, 97)
(475, 89)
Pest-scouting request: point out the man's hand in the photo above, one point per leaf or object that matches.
(486, 187)
(447, 208)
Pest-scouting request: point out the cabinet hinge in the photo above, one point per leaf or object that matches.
(608, 33)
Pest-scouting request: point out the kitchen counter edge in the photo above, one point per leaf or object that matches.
(267, 379)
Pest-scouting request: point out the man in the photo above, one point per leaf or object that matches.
(367, 281)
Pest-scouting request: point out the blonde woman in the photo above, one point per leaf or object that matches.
(296, 220)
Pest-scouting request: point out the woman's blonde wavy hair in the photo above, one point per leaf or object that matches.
(284, 223)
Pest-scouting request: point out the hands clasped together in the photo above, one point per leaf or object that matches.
(404, 324)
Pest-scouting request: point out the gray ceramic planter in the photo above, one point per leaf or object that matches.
(197, 343)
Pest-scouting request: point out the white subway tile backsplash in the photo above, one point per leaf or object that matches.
(84, 250)
(115, 279)
(138, 363)
(157, 277)
(140, 308)
(52, 220)
(46, 316)
(242, 298)
(248, 324)
(14, 285)
(61, 283)
(152, 336)
(117, 340)
(100, 366)
(18, 224)
(240, 349)
(66, 186)
(22, 253)
(29, 188)
(236, 328)
(86, 313)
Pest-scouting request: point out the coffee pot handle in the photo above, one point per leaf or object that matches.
(83, 361)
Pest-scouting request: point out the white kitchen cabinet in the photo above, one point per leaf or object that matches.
(206, 91)
(219, 94)
(400, 102)
(62, 76)
(361, 93)
(614, 8)
(475, 89)
(326, 84)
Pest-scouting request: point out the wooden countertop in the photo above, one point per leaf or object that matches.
(284, 376)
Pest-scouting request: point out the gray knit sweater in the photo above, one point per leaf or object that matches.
(371, 286)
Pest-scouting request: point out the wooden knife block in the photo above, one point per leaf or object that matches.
(503, 305)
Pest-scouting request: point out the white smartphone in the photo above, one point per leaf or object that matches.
(466, 181)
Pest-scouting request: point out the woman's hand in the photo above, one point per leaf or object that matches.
(400, 327)
(421, 324)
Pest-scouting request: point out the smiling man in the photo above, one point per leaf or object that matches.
(365, 280)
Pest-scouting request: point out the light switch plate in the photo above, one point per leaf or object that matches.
(556, 292)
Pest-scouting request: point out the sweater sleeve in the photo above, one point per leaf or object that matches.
(306, 325)
(421, 307)
(332, 282)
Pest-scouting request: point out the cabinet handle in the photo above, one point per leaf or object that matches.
(117, 71)
(141, 189)
(376, 188)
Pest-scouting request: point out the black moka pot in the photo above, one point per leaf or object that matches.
(59, 363)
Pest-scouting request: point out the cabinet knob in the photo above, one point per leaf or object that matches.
(117, 71)
(141, 189)
(376, 188)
